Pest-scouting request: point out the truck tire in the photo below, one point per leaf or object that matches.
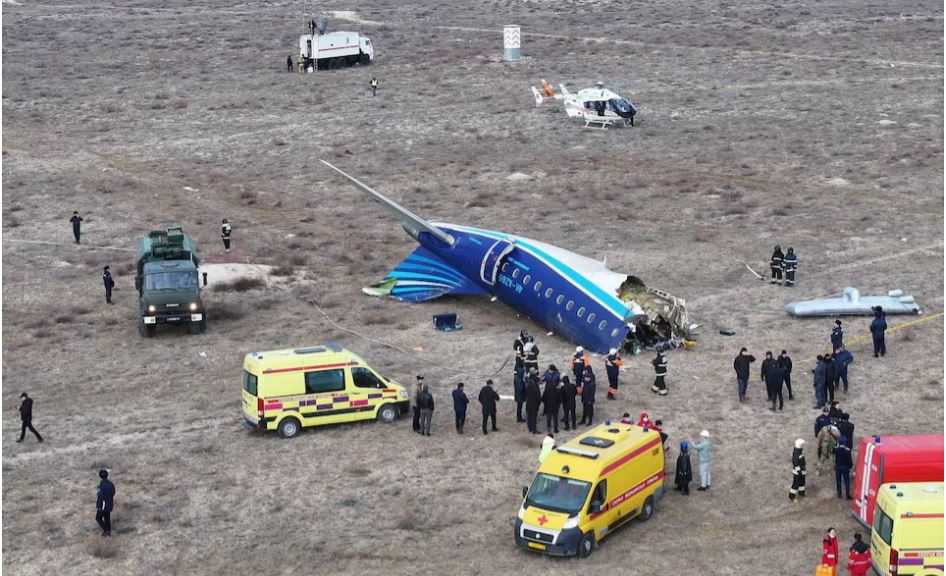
(587, 545)
(647, 510)
(387, 413)
(364, 59)
(289, 428)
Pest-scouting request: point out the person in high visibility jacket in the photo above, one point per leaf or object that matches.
(612, 364)
(776, 265)
(858, 559)
(579, 363)
(798, 472)
(374, 86)
(301, 63)
(790, 264)
(829, 548)
(660, 373)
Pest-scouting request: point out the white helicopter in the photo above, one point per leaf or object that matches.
(596, 105)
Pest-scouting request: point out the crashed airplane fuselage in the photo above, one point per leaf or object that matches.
(573, 296)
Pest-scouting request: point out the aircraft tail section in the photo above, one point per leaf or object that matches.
(423, 276)
(413, 223)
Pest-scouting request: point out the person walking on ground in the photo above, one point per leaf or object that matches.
(798, 472)
(820, 374)
(289, 63)
(547, 446)
(704, 448)
(460, 402)
(776, 265)
(684, 473)
(588, 399)
(426, 404)
(837, 336)
(878, 327)
(612, 365)
(109, 284)
(374, 86)
(842, 466)
(76, 225)
(790, 263)
(569, 392)
(772, 376)
(551, 398)
(741, 366)
(26, 418)
(579, 363)
(488, 398)
(785, 364)
(533, 399)
(225, 231)
(104, 500)
(842, 358)
(829, 549)
(660, 374)
(415, 396)
(858, 558)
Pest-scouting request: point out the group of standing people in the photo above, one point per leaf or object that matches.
(858, 557)
(784, 265)
(775, 372)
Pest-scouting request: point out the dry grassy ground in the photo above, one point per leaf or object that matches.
(812, 124)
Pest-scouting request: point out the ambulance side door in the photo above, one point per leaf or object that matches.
(365, 391)
(600, 510)
(327, 388)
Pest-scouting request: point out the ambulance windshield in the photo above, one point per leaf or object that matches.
(558, 494)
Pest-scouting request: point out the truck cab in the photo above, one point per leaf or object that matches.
(168, 282)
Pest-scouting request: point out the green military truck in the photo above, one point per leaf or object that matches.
(167, 281)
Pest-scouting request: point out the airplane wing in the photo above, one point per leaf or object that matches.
(412, 222)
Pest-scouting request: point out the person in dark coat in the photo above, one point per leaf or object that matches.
(878, 327)
(289, 63)
(569, 392)
(835, 412)
(660, 374)
(104, 500)
(488, 398)
(26, 417)
(76, 225)
(519, 391)
(533, 399)
(842, 466)
(772, 375)
(460, 402)
(426, 404)
(530, 354)
(822, 420)
(846, 428)
(842, 358)
(776, 265)
(830, 376)
(579, 363)
(741, 366)
(415, 394)
(225, 232)
(837, 336)
(799, 470)
(790, 263)
(109, 284)
(551, 398)
(684, 473)
(588, 398)
(517, 345)
(820, 373)
(785, 363)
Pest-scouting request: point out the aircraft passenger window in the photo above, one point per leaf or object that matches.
(515, 273)
(615, 332)
(505, 266)
(591, 317)
(603, 325)
(526, 279)
(560, 299)
(570, 305)
(538, 286)
(581, 311)
(548, 293)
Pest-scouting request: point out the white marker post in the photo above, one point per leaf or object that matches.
(511, 43)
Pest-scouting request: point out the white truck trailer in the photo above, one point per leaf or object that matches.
(336, 49)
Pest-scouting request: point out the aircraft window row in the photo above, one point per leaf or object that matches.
(548, 293)
(581, 312)
(538, 286)
(505, 266)
(570, 305)
(560, 299)
(515, 273)
(591, 318)
(527, 279)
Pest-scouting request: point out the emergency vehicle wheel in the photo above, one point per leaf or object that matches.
(288, 428)
(147, 330)
(387, 413)
(587, 545)
(647, 510)
(198, 327)
(364, 59)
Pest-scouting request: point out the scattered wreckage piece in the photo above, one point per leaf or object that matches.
(852, 303)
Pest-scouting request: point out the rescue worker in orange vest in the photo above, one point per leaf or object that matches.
(612, 364)
(858, 559)
(579, 363)
(829, 549)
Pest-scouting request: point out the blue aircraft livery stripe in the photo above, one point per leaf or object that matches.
(616, 307)
(412, 265)
(420, 276)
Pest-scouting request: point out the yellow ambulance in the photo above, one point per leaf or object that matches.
(589, 487)
(907, 535)
(286, 390)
